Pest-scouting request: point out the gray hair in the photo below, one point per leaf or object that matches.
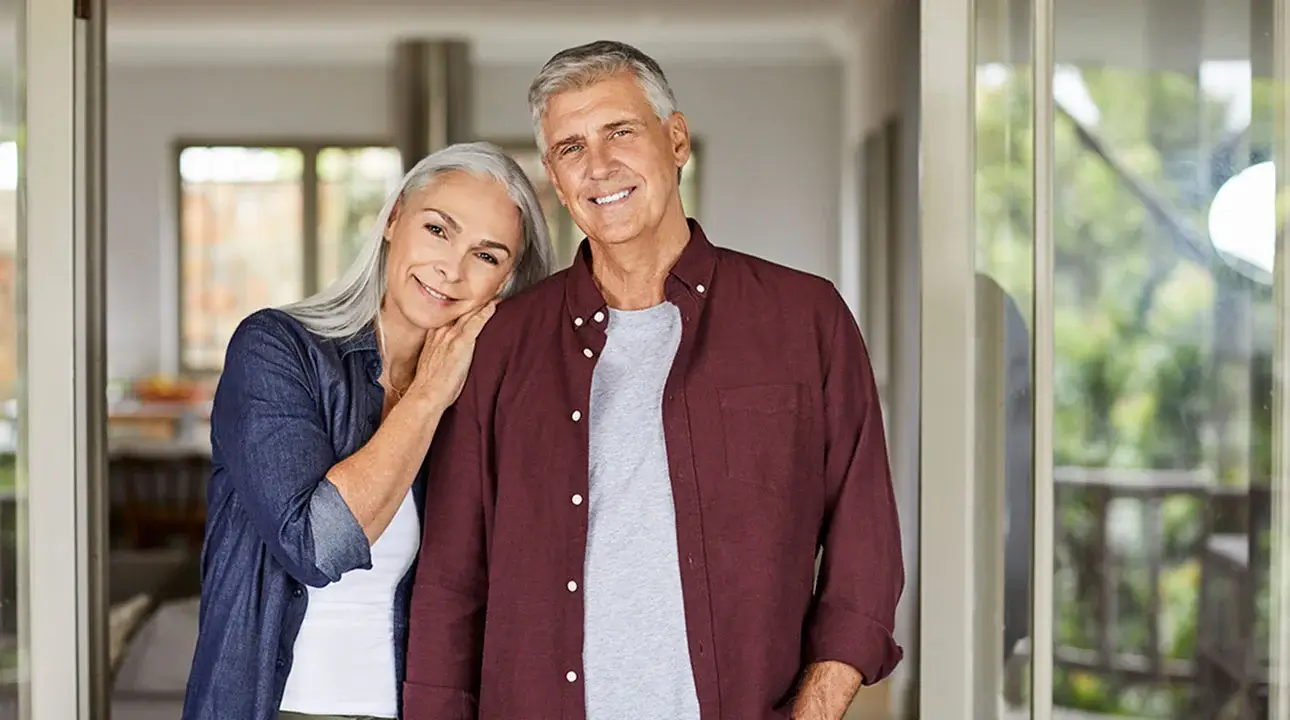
(578, 67)
(351, 302)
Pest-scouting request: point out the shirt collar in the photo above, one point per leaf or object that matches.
(693, 269)
(364, 339)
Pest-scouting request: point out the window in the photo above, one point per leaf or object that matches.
(353, 184)
(263, 225)
(267, 225)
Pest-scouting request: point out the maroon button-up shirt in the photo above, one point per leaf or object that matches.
(775, 448)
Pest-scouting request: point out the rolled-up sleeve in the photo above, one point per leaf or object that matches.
(269, 439)
(446, 622)
(862, 572)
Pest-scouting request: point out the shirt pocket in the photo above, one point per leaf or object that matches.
(762, 433)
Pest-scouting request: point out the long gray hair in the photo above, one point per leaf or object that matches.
(351, 302)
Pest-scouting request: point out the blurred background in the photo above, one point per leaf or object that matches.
(248, 145)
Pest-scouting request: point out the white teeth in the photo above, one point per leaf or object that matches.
(612, 198)
(433, 293)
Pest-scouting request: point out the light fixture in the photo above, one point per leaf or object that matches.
(1242, 217)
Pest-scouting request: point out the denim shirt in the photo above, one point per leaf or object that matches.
(288, 407)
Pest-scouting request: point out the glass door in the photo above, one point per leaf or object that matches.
(51, 641)
(1106, 359)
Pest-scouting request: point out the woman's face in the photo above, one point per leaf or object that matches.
(453, 245)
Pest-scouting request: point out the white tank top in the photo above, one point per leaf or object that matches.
(344, 654)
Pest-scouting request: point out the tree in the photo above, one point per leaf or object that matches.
(1136, 280)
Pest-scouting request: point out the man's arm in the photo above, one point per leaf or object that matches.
(849, 633)
(446, 615)
(826, 690)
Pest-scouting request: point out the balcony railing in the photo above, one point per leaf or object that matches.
(1160, 578)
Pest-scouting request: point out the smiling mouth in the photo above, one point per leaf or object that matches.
(434, 293)
(612, 198)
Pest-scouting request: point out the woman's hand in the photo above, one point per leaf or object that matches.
(445, 358)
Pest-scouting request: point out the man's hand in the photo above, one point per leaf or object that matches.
(826, 691)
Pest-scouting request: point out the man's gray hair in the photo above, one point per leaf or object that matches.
(351, 302)
(578, 67)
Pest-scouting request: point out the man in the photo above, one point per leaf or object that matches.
(625, 505)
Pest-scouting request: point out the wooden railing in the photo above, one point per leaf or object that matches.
(1111, 527)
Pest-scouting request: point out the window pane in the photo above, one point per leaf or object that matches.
(13, 603)
(1005, 227)
(353, 184)
(241, 242)
(1165, 333)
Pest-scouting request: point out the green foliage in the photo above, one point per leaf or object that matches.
(1134, 373)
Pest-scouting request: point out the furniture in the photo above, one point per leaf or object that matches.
(158, 495)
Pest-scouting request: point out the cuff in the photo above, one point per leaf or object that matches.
(853, 638)
(340, 545)
(427, 702)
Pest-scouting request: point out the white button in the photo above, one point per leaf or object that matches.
(573, 586)
(571, 676)
(577, 499)
(577, 415)
(577, 322)
(599, 316)
(587, 352)
(699, 288)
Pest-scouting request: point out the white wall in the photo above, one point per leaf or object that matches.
(770, 175)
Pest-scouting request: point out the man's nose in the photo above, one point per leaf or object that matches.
(601, 164)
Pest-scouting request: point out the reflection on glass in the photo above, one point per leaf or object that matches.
(353, 184)
(241, 244)
(1004, 292)
(1164, 336)
(13, 602)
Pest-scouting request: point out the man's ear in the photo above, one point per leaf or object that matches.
(678, 130)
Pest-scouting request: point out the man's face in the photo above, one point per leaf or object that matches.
(612, 161)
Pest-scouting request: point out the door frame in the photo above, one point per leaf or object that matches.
(958, 573)
(62, 300)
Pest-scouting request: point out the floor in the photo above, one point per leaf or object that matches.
(150, 683)
(151, 680)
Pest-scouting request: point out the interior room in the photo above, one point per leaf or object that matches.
(249, 145)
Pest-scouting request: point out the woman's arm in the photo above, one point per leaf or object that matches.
(273, 446)
(374, 480)
(317, 514)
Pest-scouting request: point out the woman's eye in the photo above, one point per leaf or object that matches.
(436, 230)
(488, 258)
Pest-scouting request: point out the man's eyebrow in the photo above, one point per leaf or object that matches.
(567, 140)
(614, 125)
(619, 124)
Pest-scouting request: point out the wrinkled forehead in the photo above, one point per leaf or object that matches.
(617, 98)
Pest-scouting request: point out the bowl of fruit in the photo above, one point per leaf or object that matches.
(166, 389)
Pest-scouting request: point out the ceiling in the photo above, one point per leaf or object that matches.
(148, 32)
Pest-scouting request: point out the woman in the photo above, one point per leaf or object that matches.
(323, 416)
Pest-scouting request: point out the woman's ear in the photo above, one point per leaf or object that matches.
(394, 218)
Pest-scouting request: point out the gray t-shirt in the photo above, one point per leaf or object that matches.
(636, 657)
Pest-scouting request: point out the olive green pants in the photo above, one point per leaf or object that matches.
(301, 716)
